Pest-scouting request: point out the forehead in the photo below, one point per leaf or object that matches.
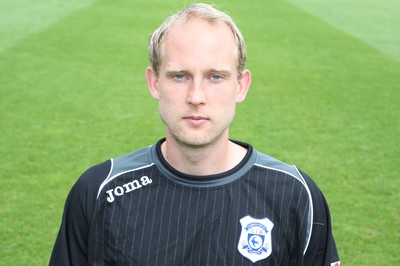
(199, 36)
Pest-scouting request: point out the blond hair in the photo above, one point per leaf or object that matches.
(198, 10)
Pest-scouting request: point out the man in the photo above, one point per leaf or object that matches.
(196, 197)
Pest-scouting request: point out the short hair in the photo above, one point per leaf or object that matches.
(197, 10)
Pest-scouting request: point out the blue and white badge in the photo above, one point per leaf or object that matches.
(255, 239)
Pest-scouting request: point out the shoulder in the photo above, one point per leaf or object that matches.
(131, 162)
(268, 162)
(82, 196)
(91, 182)
(128, 163)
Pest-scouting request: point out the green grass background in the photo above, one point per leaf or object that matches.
(325, 96)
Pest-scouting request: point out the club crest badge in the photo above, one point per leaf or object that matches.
(255, 240)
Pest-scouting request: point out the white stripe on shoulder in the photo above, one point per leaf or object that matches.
(110, 178)
(283, 171)
(311, 213)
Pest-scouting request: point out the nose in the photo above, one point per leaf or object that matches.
(196, 94)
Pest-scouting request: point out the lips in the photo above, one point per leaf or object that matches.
(196, 120)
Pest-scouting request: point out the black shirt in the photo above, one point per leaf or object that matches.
(138, 210)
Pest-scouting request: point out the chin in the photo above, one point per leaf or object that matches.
(196, 142)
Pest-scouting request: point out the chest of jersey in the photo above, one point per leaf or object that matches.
(142, 218)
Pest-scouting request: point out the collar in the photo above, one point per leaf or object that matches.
(208, 180)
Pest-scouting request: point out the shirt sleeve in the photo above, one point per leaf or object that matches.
(322, 248)
(71, 245)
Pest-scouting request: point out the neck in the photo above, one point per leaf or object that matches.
(211, 159)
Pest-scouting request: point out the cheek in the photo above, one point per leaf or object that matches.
(167, 105)
(225, 106)
(227, 98)
(167, 99)
(165, 112)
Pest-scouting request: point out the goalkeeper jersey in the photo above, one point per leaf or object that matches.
(138, 210)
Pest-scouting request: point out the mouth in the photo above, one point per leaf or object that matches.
(196, 117)
(196, 120)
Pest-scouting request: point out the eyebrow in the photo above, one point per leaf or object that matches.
(223, 72)
(174, 71)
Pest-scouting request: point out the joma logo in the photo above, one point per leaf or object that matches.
(128, 187)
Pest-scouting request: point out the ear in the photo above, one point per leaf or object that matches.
(152, 83)
(244, 85)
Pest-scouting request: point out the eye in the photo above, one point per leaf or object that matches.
(216, 77)
(179, 76)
